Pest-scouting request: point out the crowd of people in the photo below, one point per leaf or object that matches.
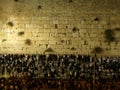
(59, 67)
(14, 83)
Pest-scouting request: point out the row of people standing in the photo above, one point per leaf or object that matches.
(60, 66)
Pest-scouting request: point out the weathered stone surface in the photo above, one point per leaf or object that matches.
(66, 27)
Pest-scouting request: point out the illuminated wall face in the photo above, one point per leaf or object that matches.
(59, 26)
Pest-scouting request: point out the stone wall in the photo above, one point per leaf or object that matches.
(58, 26)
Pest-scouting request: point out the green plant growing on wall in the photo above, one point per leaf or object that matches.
(21, 33)
(10, 23)
(4, 40)
(97, 50)
(16, 0)
(96, 19)
(109, 35)
(39, 7)
(28, 42)
(49, 50)
(70, 1)
(75, 29)
(56, 26)
(73, 48)
(117, 29)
